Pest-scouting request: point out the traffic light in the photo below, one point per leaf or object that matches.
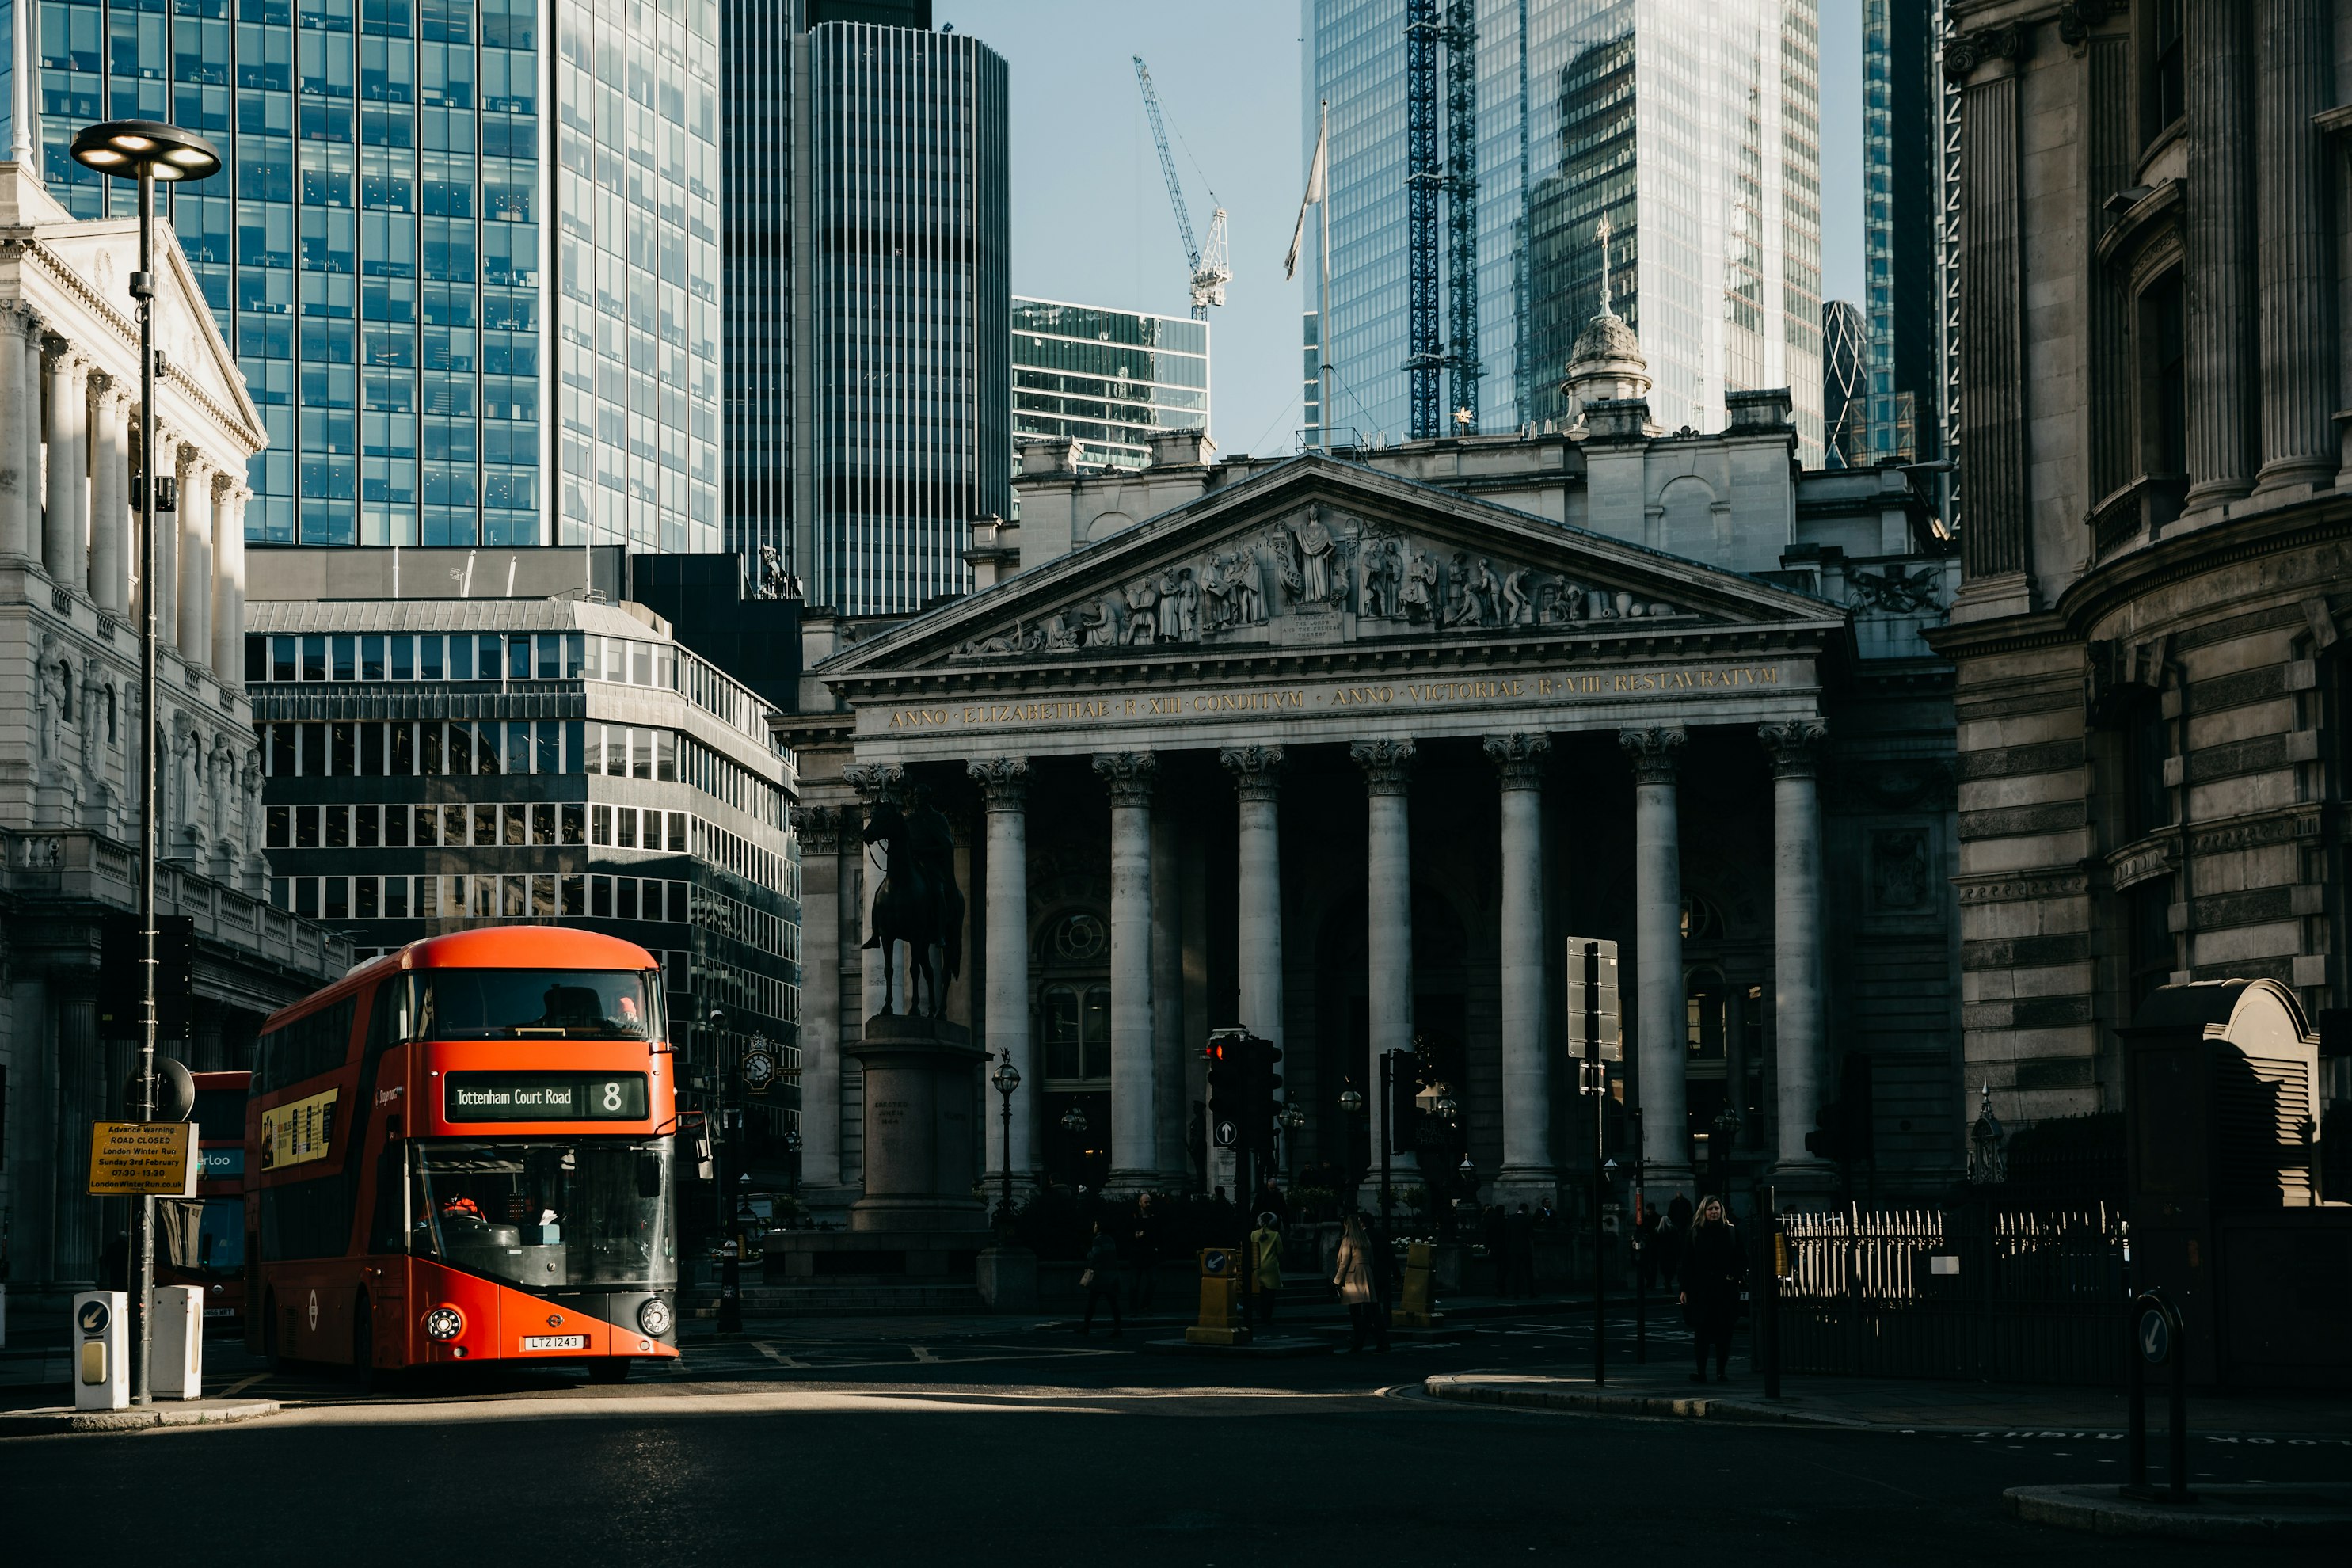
(1404, 1102)
(1265, 1092)
(1227, 1069)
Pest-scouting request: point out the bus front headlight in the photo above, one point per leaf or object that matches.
(654, 1316)
(444, 1323)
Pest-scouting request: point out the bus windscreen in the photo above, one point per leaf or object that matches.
(526, 1004)
(547, 1214)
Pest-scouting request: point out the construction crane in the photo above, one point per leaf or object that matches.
(1211, 271)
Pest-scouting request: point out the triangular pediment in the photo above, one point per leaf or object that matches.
(85, 269)
(1317, 555)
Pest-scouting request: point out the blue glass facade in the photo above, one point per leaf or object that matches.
(1107, 378)
(381, 255)
(1902, 98)
(1693, 125)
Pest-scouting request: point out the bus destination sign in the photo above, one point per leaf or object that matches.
(545, 1097)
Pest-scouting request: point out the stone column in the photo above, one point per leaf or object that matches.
(2294, 237)
(1661, 1030)
(109, 504)
(821, 1032)
(1168, 1000)
(195, 595)
(1004, 1017)
(1796, 1013)
(65, 531)
(1257, 779)
(34, 433)
(2220, 275)
(1134, 1136)
(1528, 1169)
(1994, 415)
(20, 412)
(1388, 898)
(228, 581)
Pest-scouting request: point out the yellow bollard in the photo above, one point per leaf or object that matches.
(1416, 1303)
(1220, 1287)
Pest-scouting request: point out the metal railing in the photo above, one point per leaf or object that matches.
(2014, 1296)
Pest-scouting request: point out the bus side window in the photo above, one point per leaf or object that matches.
(386, 1232)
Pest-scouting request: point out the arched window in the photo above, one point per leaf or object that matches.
(1075, 1001)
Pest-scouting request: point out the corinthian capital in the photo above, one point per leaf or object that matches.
(1519, 757)
(1256, 770)
(1387, 764)
(1003, 781)
(1129, 775)
(1655, 752)
(819, 827)
(874, 782)
(1795, 746)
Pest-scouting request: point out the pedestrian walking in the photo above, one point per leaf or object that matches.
(1101, 1281)
(1712, 1270)
(1265, 1263)
(1673, 1234)
(1361, 1281)
(1142, 1254)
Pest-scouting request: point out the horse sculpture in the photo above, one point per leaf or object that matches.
(918, 902)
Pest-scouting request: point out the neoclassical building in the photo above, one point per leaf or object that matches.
(1346, 748)
(71, 600)
(2150, 631)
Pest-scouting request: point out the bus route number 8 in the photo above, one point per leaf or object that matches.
(613, 1098)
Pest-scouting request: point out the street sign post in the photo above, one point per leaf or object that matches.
(1593, 1017)
(142, 1158)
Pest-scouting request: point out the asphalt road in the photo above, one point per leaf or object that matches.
(881, 1442)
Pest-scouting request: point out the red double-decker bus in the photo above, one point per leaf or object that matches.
(210, 1255)
(461, 1152)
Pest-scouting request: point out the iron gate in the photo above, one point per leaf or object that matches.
(1968, 1293)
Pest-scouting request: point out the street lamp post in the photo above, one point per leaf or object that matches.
(149, 151)
(1007, 1078)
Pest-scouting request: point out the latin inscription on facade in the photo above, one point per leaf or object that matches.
(1298, 702)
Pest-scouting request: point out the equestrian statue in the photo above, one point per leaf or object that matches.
(918, 902)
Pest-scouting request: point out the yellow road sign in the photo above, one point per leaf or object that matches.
(128, 1158)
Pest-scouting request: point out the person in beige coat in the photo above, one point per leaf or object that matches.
(1358, 1278)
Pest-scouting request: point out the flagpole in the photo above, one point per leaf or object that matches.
(1323, 291)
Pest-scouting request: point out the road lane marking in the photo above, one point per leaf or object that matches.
(778, 1357)
(235, 1389)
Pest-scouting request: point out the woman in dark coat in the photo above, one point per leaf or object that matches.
(1714, 1268)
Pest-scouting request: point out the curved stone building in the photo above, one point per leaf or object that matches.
(2156, 535)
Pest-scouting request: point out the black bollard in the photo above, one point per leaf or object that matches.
(731, 1288)
(2157, 1341)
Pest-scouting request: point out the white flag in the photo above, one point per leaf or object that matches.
(1315, 174)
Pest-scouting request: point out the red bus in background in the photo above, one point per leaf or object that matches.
(206, 1247)
(461, 1152)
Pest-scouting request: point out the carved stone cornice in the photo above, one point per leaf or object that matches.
(2023, 887)
(874, 782)
(1965, 52)
(1519, 757)
(2141, 862)
(1129, 775)
(1003, 781)
(1655, 753)
(1795, 746)
(1256, 770)
(1387, 764)
(819, 827)
(2077, 17)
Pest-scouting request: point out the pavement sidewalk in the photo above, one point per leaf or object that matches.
(1977, 1408)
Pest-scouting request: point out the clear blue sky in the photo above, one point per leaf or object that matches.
(1091, 222)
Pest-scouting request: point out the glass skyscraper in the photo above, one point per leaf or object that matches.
(869, 255)
(1694, 126)
(1107, 379)
(1902, 229)
(466, 250)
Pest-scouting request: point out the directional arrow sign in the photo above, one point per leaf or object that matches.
(1228, 1135)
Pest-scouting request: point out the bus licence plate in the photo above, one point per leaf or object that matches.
(555, 1341)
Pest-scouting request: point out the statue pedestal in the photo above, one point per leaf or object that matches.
(922, 1129)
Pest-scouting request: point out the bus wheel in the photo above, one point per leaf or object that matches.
(363, 1372)
(609, 1369)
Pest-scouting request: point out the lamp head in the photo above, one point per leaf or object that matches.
(126, 149)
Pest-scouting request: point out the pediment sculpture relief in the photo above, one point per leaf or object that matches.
(1318, 577)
